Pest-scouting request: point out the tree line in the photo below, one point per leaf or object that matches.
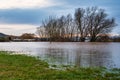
(88, 23)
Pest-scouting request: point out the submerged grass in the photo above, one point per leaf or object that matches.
(22, 67)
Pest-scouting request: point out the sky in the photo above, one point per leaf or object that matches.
(24, 16)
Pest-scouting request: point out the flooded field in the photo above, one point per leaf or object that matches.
(67, 53)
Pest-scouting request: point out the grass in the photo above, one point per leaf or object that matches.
(22, 67)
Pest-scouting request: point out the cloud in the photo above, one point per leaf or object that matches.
(8, 4)
(17, 16)
(22, 16)
(17, 29)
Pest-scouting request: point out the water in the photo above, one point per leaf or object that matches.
(67, 53)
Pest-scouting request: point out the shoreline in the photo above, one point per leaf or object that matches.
(20, 66)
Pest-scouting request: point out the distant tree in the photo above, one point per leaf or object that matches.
(2, 39)
(50, 26)
(80, 20)
(57, 29)
(99, 23)
(116, 39)
(89, 22)
(66, 27)
(27, 36)
(93, 21)
(103, 38)
(41, 32)
(70, 27)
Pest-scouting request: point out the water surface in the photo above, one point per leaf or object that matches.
(67, 53)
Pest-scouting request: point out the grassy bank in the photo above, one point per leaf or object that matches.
(21, 67)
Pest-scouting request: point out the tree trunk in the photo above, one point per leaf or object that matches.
(93, 39)
(82, 39)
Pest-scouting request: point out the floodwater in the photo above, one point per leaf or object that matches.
(70, 53)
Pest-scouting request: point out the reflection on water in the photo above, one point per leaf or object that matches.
(76, 54)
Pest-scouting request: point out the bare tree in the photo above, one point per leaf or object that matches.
(93, 21)
(58, 29)
(86, 22)
(41, 32)
(81, 22)
(99, 23)
(69, 27)
(50, 28)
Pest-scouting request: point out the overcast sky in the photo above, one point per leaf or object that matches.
(23, 16)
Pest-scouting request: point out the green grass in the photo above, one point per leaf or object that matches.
(22, 67)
